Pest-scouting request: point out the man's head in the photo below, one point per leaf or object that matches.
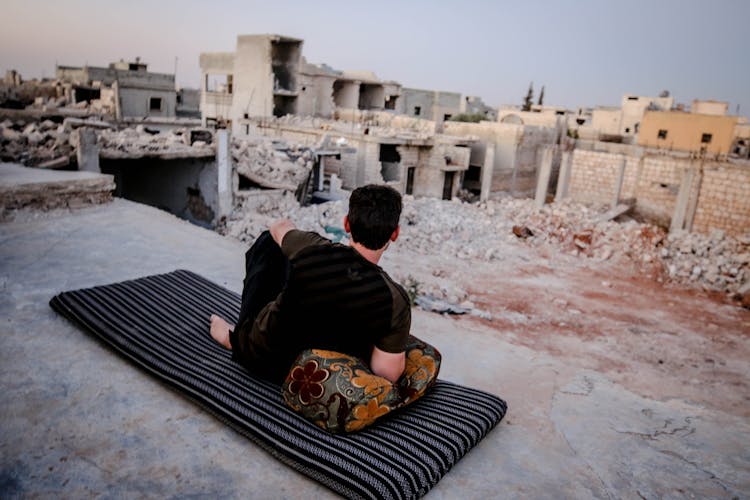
(373, 215)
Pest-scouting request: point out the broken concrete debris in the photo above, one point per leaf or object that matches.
(51, 145)
(272, 164)
(137, 142)
(483, 232)
(45, 144)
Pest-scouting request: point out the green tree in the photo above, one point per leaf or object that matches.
(541, 96)
(529, 99)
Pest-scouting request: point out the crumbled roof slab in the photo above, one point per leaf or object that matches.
(46, 189)
(79, 421)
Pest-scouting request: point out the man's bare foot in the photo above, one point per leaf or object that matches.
(220, 331)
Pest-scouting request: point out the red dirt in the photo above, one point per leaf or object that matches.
(657, 340)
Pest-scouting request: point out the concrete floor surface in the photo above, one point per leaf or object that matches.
(78, 421)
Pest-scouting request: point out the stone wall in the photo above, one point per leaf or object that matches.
(708, 195)
(724, 199)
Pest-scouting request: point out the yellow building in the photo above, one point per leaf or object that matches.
(683, 131)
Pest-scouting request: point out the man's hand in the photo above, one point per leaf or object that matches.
(279, 229)
(387, 364)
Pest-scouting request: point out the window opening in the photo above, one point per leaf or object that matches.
(448, 185)
(410, 180)
(390, 166)
(219, 83)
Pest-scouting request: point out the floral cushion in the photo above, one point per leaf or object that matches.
(339, 393)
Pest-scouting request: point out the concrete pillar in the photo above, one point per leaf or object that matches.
(515, 171)
(224, 173)
(563, 180)
(487, 170)
(542, 180)
(683, 199)
(618, 182)
(88, 150)
(693, 203)
(118, 102)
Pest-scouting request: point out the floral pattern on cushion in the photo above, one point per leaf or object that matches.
(307, 382)
(339, 393)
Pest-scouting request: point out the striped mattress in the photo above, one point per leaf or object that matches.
(161, 324)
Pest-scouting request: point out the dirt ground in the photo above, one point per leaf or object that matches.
(658, 340)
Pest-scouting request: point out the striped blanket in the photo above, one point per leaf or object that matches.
(161, 324)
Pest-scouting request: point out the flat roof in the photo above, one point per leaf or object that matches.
(80, 421)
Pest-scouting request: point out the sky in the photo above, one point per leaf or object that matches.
(585, 52)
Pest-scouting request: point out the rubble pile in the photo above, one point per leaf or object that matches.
(256, 212)
(36, 144)
(272, 164)
(139, 142)
(581, 230)
(715, 261)
(485, 232)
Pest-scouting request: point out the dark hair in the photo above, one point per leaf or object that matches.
(373, 215)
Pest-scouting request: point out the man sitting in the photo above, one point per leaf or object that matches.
(302, 291)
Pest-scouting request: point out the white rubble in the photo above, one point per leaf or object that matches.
(138, 142)
(484, 231)
(270, 163)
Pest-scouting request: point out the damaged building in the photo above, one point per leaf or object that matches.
(123, 89)
(267, 76)
(379, 148)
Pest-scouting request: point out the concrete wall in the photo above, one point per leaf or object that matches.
(724, 201)
(718, 108)
(606, 121)
(188, 103)
(516, 152)
(73, 74)
(716, 195)
(315, 95)
(539, 116)
(253, 78)
(346, 94)
(371, 96)
(684, 131)
(186, 188)
(136, 102)
(432, 104)
(404, 123)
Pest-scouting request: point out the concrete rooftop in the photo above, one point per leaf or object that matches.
(78, 421)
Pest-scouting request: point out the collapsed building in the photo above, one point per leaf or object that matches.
(377, 147)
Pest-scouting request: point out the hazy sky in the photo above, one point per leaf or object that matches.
(585, 52)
